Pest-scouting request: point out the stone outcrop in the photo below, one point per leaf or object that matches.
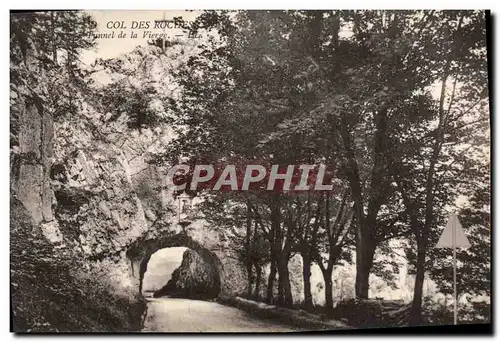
(196, 278)
(32, 135)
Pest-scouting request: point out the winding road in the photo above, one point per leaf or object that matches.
(185, 315)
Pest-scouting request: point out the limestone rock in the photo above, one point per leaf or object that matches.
(195, 279)
(51, 231)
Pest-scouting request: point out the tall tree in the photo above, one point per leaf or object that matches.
(452, 136)
(336, 238)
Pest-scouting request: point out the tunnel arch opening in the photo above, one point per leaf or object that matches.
(188, 278)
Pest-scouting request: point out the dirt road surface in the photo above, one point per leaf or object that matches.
(185, 315)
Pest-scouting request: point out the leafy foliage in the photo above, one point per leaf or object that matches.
(285, 86)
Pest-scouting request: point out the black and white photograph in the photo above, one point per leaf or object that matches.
(250, 171)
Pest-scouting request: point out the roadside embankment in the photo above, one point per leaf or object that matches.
(298, 318)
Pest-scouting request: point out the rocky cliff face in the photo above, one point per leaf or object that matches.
(107, 193)
(196, 278)
(32, 138)
(108, 196)
(84, 175)
(87, 180)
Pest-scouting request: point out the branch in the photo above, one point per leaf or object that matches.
(448, 168)
(258, 218)
(453, 129)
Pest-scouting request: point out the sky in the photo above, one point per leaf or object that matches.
(113, 47)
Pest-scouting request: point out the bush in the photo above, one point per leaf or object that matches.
(373, 313)
(51, 293)
(439, 313)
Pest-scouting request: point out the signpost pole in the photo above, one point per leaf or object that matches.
(453, 239)
(454, 273)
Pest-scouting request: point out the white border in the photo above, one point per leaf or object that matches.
(197, 4)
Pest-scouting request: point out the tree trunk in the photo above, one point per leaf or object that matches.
(362, 282)
(364, 262)
(416, 307)
(248, 248)
(328, 294)
(270, 282)
(258, 271)
(249, 279)
(306, 274)
(281, 288)
(327, 278)
(277, 254)
(284, 288)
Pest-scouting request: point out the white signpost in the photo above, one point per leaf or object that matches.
(454, 237)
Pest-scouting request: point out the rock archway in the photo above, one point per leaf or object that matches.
(140, 252)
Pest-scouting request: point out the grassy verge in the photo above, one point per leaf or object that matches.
(297, 318)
